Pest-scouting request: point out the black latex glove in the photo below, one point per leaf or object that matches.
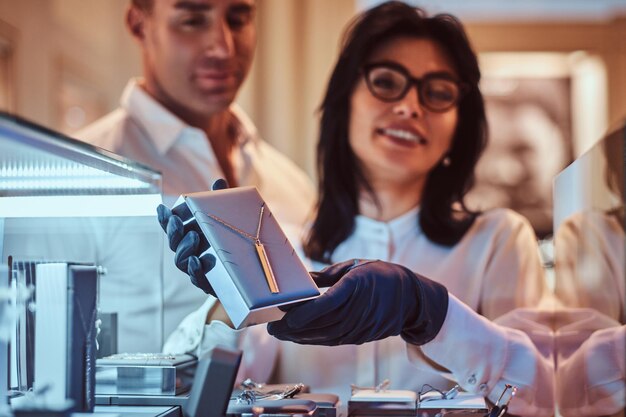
(367, 300)
(187, 246)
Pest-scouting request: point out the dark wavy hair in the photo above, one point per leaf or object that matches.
(443, 217)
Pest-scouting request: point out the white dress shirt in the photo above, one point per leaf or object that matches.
(143, 130)
(494, 269)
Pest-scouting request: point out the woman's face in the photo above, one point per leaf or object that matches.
(401, 141)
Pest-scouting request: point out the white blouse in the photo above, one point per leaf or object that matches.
(494, 269)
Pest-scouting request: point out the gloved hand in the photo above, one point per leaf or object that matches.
(367, 300)
(187, 245)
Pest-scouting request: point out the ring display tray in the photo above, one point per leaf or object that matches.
(144, 374)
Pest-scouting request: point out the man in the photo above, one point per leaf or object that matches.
(179, 118)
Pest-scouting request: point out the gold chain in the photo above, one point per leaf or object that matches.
(259, 247)
(241, 232)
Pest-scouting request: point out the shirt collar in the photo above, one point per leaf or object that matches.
(247, 132)
(407, 223)
(164, 127)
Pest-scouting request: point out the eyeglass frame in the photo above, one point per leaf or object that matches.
(463, 87)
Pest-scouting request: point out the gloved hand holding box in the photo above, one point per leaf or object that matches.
(256, 270)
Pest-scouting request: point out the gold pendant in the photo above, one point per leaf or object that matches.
(267, 269)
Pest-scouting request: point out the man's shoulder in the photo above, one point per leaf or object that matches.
(287, 188)
(108, 131)
(270, 153)
(266, 153)
(284, 167)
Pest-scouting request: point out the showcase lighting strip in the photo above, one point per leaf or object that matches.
(80, 206)
(18, 175)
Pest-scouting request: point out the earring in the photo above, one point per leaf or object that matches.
(446, 161)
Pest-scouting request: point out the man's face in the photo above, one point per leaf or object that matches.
(196, 53)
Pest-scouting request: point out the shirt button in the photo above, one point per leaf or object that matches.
(483, 388)
(472, 379)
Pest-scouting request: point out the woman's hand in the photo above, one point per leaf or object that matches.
(187, 245)
(367, 300)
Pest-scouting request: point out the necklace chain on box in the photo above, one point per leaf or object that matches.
(260, 248)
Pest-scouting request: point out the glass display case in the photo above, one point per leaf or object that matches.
(590, 264)
(590, 248)
(63, 200)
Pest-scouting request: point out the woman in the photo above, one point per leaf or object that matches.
(389, 156)
(402, 127)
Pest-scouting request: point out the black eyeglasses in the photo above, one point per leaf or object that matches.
(438, 92)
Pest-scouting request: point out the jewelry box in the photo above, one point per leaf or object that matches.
(257, 270)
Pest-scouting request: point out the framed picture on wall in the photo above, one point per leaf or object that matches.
(529, 101)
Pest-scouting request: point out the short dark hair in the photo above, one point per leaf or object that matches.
(145, 5)
(443, 216)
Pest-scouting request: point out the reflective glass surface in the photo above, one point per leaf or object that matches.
(66, 201)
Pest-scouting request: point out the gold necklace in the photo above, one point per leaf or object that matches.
(260, 249)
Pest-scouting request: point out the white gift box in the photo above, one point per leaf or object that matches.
(257, 269)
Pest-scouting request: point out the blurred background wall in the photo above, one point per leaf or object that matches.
(554, 76)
